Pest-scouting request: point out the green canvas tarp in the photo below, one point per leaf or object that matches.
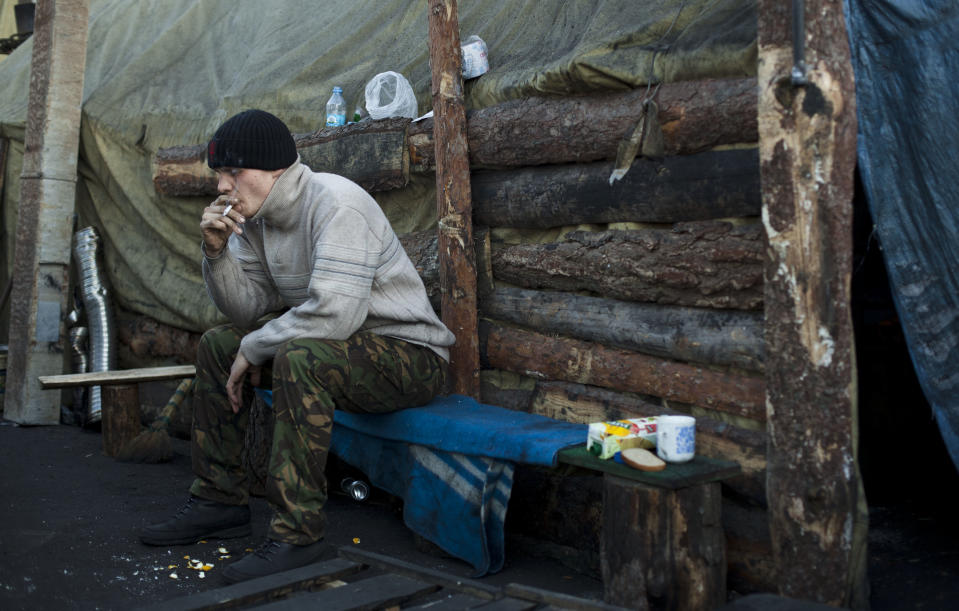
(162, 73)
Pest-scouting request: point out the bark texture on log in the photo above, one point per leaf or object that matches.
(553, 358)
(373, 154)
(808, 155)
(181, 171)
(421, 246)
(709, 264)
(711, 185)
(695, 116)
(143, 339)
(457, 260)
(663, 549)
(715, 337)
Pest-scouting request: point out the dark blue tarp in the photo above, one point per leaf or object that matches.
(905, 57)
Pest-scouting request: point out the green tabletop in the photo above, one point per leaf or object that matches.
(682, 475)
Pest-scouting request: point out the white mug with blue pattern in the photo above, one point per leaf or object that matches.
(676, 438)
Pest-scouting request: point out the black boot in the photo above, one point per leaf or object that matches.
(273, 557)
(200, 519)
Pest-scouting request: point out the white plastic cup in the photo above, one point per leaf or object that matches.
(676, 438)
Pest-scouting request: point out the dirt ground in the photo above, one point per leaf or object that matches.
(69, 517)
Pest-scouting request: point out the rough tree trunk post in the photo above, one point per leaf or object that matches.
(454, 207)
(44, 222)
(807, 139)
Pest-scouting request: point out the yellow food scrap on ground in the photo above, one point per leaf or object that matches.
(174, 576)
(356, 540)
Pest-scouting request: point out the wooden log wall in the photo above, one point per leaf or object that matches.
(664, 317)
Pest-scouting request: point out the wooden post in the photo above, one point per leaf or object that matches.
(39, 299)
(663, 548)
(807, 140)
(457, 259)
(120, 416)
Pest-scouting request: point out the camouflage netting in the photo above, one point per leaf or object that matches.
(166, 73)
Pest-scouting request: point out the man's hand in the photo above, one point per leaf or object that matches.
(217, 227)
(234, 385)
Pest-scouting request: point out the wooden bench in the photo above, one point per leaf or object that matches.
(662, 542)
(119, 398)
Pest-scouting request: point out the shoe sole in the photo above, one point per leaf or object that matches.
(226, 533)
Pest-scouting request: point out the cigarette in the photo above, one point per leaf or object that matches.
(226, 210)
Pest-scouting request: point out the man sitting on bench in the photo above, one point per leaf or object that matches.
(357, 334)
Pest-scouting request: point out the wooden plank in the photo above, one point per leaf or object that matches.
(379, 592)
(710, 185)
(452, 602)
(703, 264)
(557, 358)
(699, 335)
(264, 588)
(386, 563)
(117, 376)
(808, 159)
(675, 476)
(695, 116)
(507, 604)
(557, 599)
(457, 260)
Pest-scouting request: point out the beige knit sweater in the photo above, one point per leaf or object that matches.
(322, 247)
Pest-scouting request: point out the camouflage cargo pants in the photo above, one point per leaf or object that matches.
(310, 378)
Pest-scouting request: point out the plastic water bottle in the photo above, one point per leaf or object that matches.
(336, 108)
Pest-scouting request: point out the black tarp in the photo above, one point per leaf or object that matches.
(905, 57)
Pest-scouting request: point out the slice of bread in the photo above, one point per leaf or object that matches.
(641, 459)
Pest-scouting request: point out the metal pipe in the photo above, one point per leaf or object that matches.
(93, 292)
(799, 43)
(79, 363)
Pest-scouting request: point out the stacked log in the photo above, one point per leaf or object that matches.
(663, 317)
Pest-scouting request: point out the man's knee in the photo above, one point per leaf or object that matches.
(219, 342)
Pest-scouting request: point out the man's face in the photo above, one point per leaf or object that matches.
(246, 187)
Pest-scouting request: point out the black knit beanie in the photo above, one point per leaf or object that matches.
(252, 139)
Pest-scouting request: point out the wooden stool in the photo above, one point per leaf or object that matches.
(663, 545)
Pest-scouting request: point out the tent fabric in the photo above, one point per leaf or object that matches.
(905, 61)
(162, 73)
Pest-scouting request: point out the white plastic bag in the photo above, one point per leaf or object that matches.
(389, 94)
(473, 53)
